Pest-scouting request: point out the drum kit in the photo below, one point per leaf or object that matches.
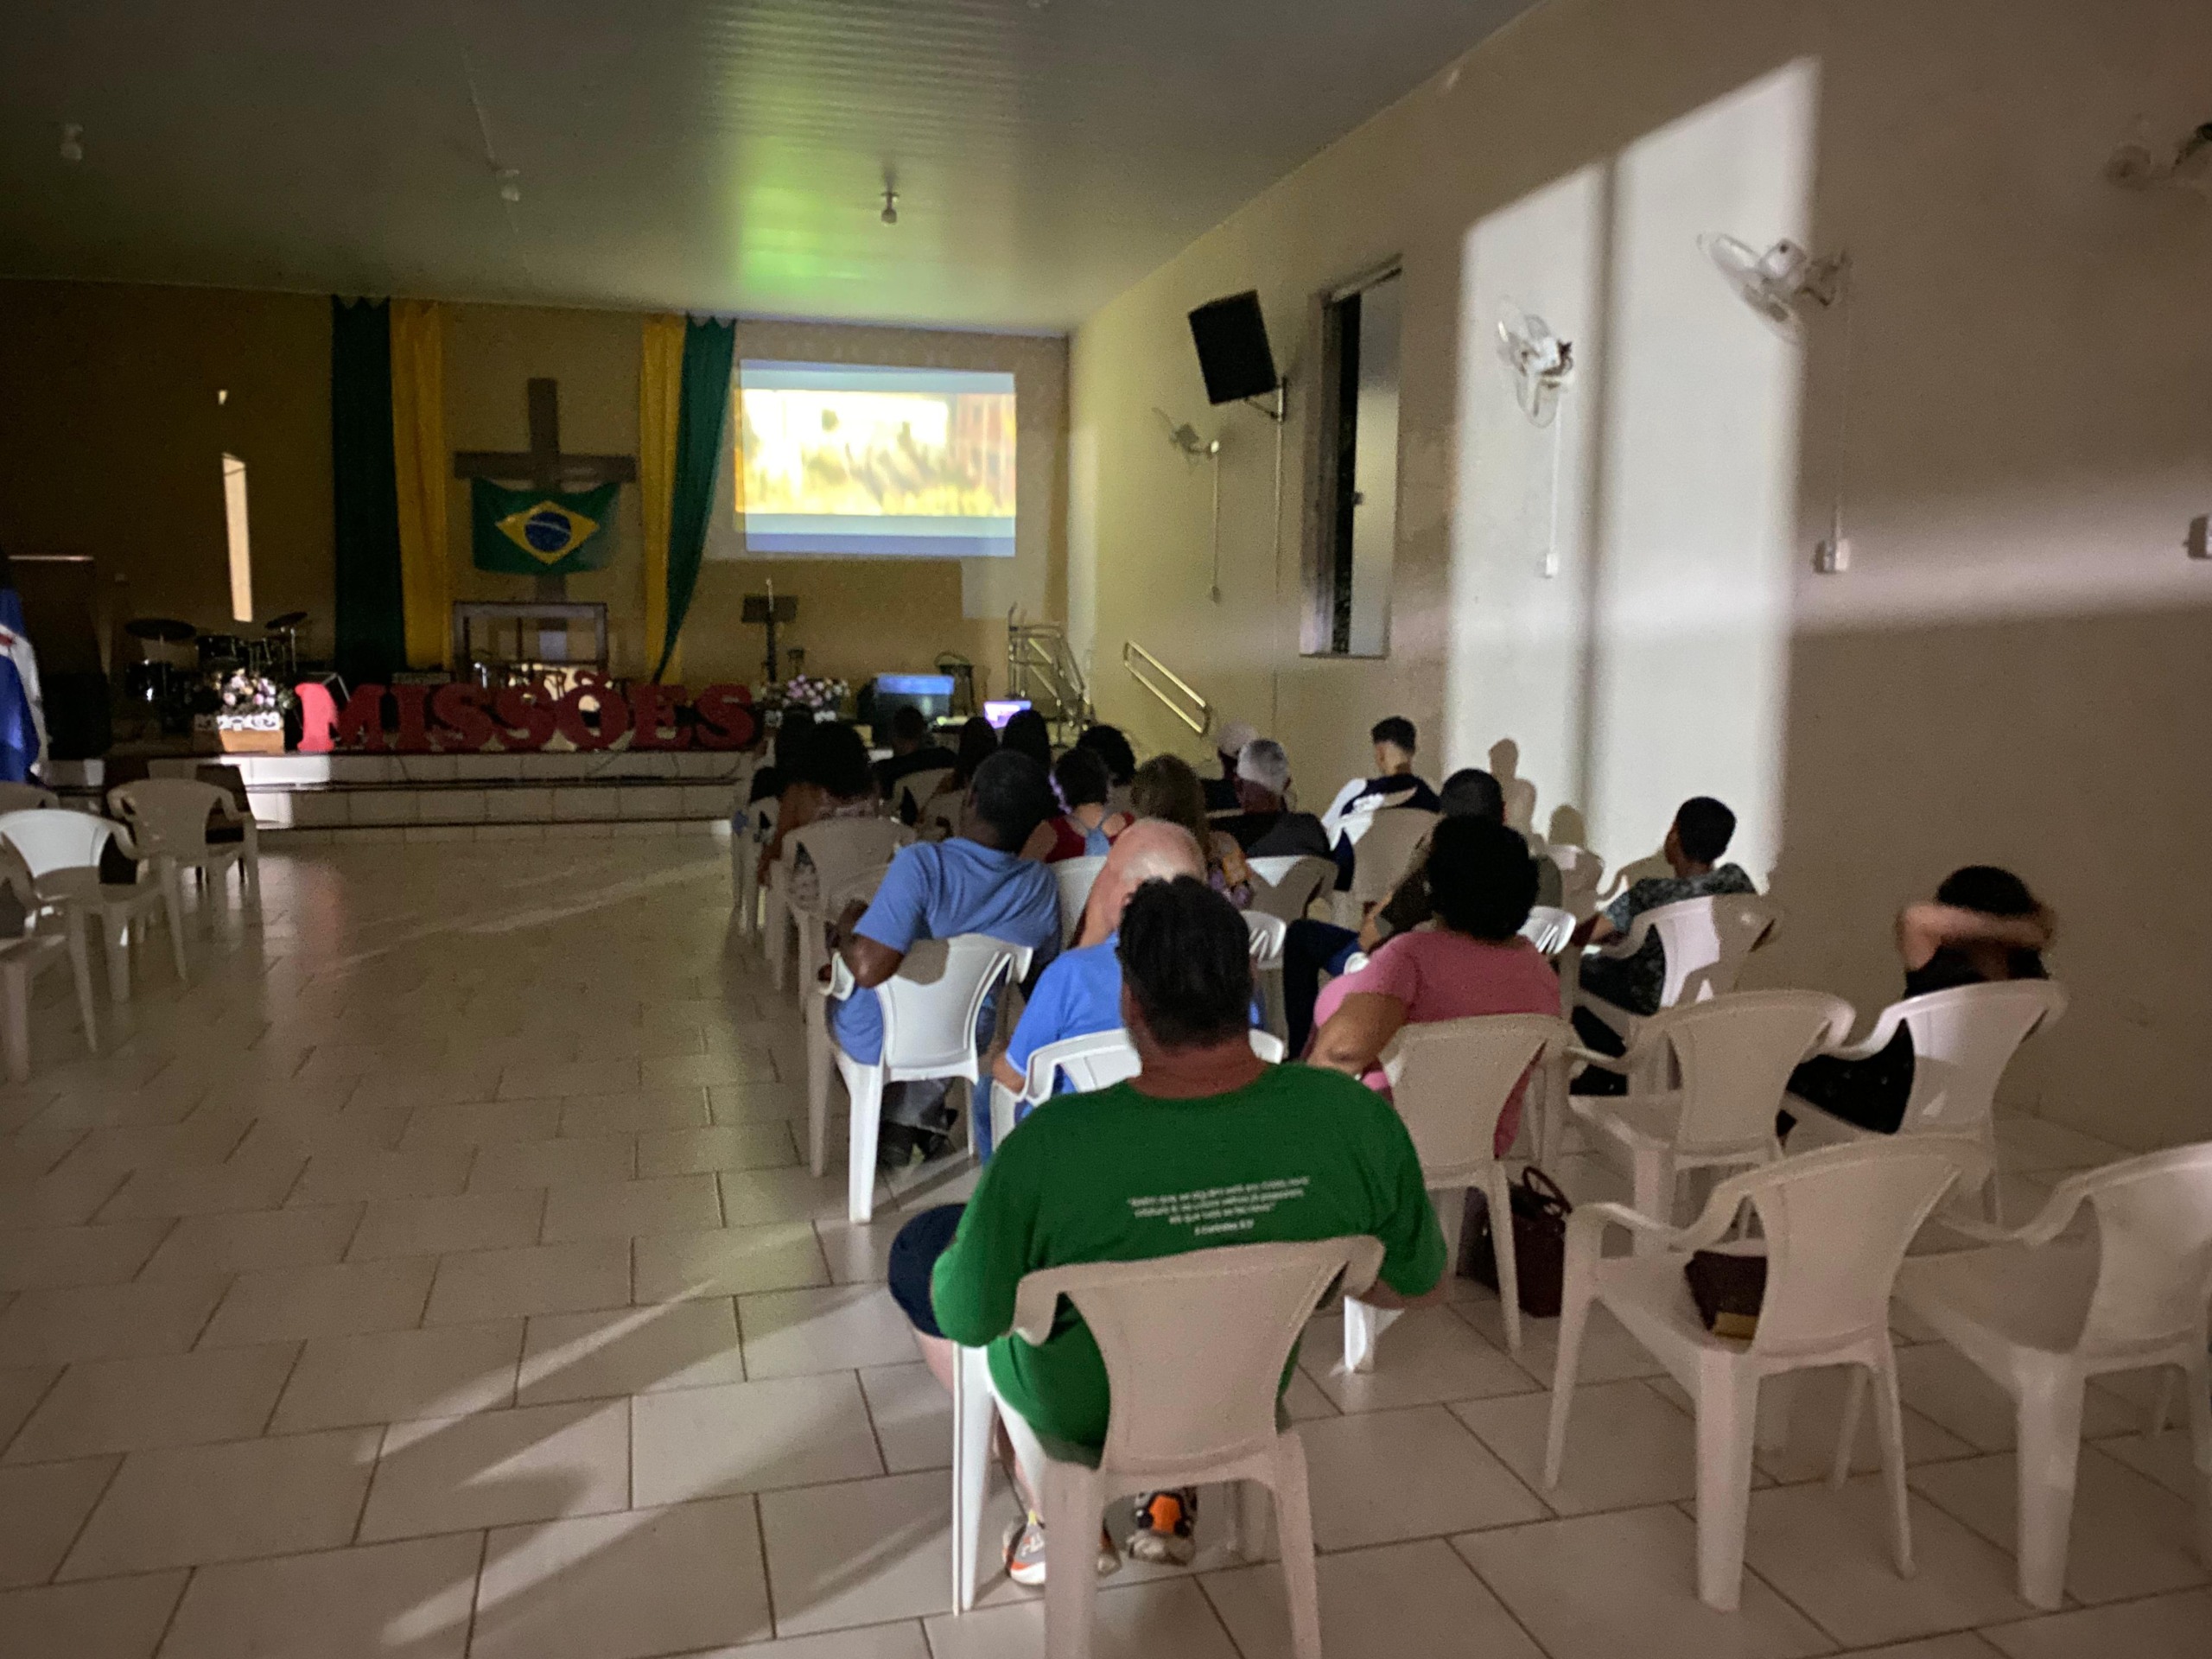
(163, 682)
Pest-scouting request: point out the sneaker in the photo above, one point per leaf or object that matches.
(899, 1146)
(1024, 1552)
(1163, 1528)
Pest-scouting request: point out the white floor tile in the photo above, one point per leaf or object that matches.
(466, 1220)
(831, 1329)
(160, 1400)
(1400, 1601)
(862, 1553)
(912, 1416)
(41, 1506)
(2164, 1627)
(750, 1437)
(536, 1463)
(727, 1261)
(117, 1618)
(407, 1600)
(1626, 1447)
(1134, 1621)
(1384, 1476)
(392, 1376)
(279, 1304)
(1428, 1356)
(479, 1285)
(635, 1350)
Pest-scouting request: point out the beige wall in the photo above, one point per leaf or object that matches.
(110, 439)
(2013, 668)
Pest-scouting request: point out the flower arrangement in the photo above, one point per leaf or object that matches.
(815, 693)
(247, 702)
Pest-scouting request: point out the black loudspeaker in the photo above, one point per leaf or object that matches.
(1232, 340)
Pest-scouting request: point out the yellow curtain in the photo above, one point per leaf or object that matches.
(420, 464)
(660, 387)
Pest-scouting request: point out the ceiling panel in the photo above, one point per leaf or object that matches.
(725, 155)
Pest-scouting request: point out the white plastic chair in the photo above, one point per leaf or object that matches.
(62, 850)
(917, 787)
(1450, 1080)
(1195, 1346)
(1580, 871)
(843, 852)
(1382, 851)
(930, 1009)
(1267, 933)
(1835, 1223)
(1097, 1060)
(22, 959)
(1963, 1040)
(2040, 1315)
(168, 819)
(1733, 1057)
(745, 864)
(1548, 929)
(1076, 876)
(940, 818)
(1287, 887)
(1706, 942)
(25, 797)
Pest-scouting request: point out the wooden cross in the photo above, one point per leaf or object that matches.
(544, 466)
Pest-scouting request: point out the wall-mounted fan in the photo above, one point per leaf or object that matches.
(1780, 282)
(1539, 361)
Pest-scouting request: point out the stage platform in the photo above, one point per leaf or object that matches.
(304, 798)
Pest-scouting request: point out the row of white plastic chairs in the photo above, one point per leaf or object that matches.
(50, 859)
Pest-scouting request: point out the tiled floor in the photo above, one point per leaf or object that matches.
(435, 1275)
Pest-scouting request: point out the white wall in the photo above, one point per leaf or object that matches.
(2012, 669)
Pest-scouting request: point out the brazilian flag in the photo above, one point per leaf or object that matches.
(541, 532)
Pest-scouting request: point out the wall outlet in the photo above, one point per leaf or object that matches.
(1832, 554)
(2199, 543)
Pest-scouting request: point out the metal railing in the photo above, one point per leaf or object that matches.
(1041, 667)
(1148, 671)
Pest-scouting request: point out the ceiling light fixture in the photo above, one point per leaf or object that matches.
(890, 213)
(73, 142)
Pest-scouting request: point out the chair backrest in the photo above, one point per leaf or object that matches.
(1836, 1223)
(1962, 1039)
(1076, 876)
(932, 1004)
(1096, 1060)
(1267, 932)
(1580, 871)
(917, 786)
(1381, 854)
(1735, 1055)
(23, 797)
(842, 849)
(1451, 1079)
(168, 816)
(1195, 1344)
(1706, 941)
(1285, 886)
(55, 838)
(940, 819)
(2154, 1266)
(861, 887)
(1548, 929)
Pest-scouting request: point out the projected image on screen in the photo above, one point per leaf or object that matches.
(836, 460)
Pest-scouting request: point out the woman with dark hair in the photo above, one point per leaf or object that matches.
(1120, 762)
(1482, 883)
(1983, 927)
(838, 782)
(978, 741)
(1079, 778)
(1027, 733)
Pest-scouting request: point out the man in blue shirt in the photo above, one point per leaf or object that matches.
(976, 882)
(1081, 992)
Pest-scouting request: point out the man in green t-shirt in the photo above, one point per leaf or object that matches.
(1206, 1147)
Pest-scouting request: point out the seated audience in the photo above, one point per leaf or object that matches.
(1482, 882)
(1167, 787)
(1121, 762)
(1311, 948)
(1079, 776)
(1699, 836)
(1081, 992)
(791, 739)
(1984, 926)
(1393, 785)
(976, 882)
(1026, 732)
(1072, 1184)
(1267, 828)
(1229, 743)
(829, 777)
(978, 741)
(913, 750)
(843, 787)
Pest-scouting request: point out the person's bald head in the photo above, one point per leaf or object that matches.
(1151, 849)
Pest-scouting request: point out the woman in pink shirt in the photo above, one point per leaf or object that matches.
(1471, 961)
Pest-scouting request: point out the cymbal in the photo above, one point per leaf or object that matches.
(167, 629)
(281, 624)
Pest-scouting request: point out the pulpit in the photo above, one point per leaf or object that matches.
(503, 642)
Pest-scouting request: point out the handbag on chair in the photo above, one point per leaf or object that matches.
(1539, 1213)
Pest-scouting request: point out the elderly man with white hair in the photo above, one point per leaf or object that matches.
(1267, 828)
(1081, 991)
(1229, 744)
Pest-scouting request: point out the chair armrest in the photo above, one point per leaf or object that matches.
(841, 983)
(1630, 942)
(2057, 1213)
(1885, 1030)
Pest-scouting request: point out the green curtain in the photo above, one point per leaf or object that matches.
(703, 403)
(371, 622)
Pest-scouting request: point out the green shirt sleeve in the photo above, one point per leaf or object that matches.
(972, 1286)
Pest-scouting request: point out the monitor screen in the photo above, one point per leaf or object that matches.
(999, 710)
(844, 461)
